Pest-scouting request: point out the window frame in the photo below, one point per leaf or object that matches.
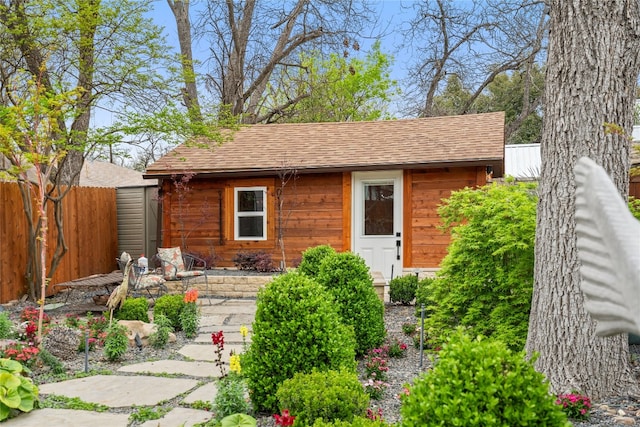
(237, 214)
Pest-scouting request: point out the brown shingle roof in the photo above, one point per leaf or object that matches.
(476, 139)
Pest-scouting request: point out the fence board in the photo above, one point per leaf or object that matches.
(90, 229)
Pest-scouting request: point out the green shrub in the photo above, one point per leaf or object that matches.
(480, 383)
(356, 422)
(170, 306)
(312, 258)
(6, 325)
(230, 398)
(160, 337)
(422, 295)
(403, 288)
(190, 319)
(18, 392)
(296, 329)
(116, 342)
(347, 278)
(486, 280)
(329, 395)
(134, 309)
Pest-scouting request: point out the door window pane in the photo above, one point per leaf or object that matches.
(378, 209)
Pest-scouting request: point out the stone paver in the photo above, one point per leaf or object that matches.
(205, 352)
(118, 391)
(212, 321)
(206, 393)
(229, 337)
(179, 417)
(67, 418)
(174, 367)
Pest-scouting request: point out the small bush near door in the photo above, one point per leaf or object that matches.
(402, 289)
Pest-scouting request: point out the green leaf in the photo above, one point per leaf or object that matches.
(238, 420)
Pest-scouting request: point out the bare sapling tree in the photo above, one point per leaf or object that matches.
(287, 177)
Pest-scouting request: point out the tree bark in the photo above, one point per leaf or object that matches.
(180, 9)
(591, 77)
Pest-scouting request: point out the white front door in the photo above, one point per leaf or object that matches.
(377, 220)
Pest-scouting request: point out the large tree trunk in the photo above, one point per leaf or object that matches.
(590, 86)
(180, 9)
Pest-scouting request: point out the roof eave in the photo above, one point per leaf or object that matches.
(497, 165)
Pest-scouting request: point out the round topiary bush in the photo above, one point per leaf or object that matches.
(312, 258)
(134, 309)
(402, 289)
(342, 397)
(296, 329)
(480, 383)
(170, 306)
(347, 278)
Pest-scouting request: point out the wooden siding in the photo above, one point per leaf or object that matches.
(634, 186)
(313, 214)
(424, 243)
(90, 227)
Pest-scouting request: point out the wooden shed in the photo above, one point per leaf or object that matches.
(369, 187)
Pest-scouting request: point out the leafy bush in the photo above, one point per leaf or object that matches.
(6, 325)
(18, 392)
(422, 295)
(160, 337)
(347, 278)
(486, 280)
(230, 398)
(480, 383)
(312, 258)
(134, 309)
(634, 207)
(329, 395)
(403, 289)
(170, 306)
(190, 319)
(258, 261)
(116, 343)
(296, 329)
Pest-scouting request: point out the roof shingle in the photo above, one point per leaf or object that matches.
(475, 139)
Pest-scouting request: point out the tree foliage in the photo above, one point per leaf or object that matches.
(486, 279)
(338, 89)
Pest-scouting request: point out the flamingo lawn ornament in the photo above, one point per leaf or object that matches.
(608, 250)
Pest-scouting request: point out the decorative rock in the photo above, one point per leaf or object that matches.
(621, 413)
(62, 342)
(627, 421)
(143, 330)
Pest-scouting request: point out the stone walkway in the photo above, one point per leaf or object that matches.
(149, 383)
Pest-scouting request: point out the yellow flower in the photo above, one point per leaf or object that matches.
(234, 363)
(243, 331)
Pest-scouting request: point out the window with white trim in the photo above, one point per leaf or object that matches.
(250, 213)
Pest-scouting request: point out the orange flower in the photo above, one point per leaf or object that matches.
(191, 295)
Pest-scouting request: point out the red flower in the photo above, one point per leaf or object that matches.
(285, 419)
(218, 339)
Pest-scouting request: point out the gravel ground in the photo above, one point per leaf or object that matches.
(612, 412)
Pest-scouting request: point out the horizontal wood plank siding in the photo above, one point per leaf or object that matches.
(313, 214)
(428, 244)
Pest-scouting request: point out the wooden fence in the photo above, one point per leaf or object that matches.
(90, 227)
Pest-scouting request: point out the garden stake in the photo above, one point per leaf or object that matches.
(421, 334)
(86, 351)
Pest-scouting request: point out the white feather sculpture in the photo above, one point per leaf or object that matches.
(608, 250)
